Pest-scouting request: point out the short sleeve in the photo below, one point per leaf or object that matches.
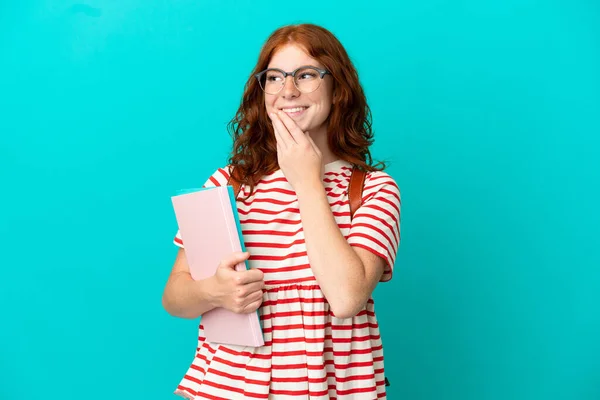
(376, 223)
(218, 178)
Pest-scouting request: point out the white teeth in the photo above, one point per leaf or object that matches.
(293, 110)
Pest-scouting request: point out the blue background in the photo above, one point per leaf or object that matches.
(487, 111)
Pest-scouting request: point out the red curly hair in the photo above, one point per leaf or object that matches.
(349, 132)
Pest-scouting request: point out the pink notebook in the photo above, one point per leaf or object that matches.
(210, 230)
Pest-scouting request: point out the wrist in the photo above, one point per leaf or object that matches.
(206, 293)
(309, 188)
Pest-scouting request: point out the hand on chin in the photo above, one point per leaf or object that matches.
(298, 156)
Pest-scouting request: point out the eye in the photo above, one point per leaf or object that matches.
(307, 75)
(273, 77)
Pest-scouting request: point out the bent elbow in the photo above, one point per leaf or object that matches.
(166, 304)
(346, 309)
(171, 307)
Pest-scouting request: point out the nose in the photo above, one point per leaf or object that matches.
(289, 89)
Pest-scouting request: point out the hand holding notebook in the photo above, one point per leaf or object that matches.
(237, 291)
(211, 232)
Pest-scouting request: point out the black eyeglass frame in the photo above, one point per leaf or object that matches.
(322, 72)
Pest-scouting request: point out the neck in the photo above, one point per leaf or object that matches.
(320, 140)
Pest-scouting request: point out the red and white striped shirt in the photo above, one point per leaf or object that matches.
(308, 352)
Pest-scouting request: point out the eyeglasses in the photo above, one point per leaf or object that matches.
(307, 79)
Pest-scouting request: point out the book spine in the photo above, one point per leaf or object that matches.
(236, 243)
(229, 221)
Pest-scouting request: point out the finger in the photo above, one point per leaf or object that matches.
(253, 306)
(233, 259)
(255, 275)
(250, 276)
(249, 303)
(253, 288)
(278, 137)
(292, 127)
(288, 139)
(254, 297)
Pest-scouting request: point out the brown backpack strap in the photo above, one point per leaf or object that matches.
(355, 188)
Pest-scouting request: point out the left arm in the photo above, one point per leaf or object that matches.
(347, 275)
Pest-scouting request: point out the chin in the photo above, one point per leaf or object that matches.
(304, 127)
(314, 128)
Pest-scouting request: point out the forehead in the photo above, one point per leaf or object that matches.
(291, 57)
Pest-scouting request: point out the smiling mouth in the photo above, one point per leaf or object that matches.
(293, 111)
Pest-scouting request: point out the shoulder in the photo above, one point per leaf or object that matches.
(380, 182)
(219, 177)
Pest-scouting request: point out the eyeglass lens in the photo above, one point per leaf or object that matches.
(306, 80)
